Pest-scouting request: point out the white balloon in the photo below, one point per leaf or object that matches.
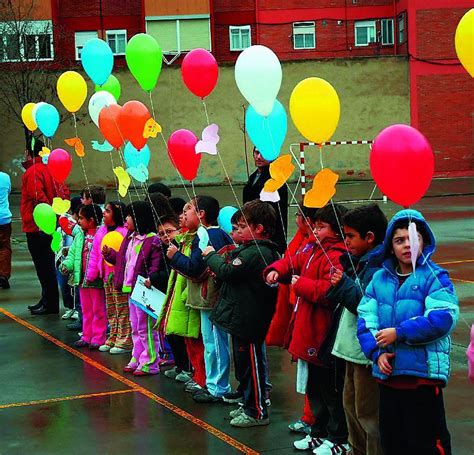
(258, 75)
(35, 109)
(98, 101)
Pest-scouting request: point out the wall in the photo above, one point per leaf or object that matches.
(176, 7)
(373, 92)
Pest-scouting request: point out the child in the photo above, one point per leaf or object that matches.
(94, 320)
(93, 194)
(246, 306)
(405, 321)
(364, 231)
(309, 273)
(119, 340)
(203, 210)
(139, 254)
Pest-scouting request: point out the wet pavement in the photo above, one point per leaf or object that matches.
(55, 399)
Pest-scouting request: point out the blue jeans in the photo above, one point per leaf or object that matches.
(66, 290)
(216, 356)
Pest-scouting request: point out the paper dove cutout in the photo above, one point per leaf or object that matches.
(266, 196)
(77, 144)
(60, 206)
(123, 179)
(324, 188)
(414, 243)
(104, 147)
(139, 173)
(151, 129)
(210, 139)
(45, 151)
(280, 171)
(203, 237)
(45, 159)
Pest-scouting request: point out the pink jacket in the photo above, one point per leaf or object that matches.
(97, 266)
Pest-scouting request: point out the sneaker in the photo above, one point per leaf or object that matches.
(80, 344)
(192, 387)
(233, 397)
(183, 377)
(4, 284)
(68, 314)
(75, 316)
(309, 443)
(172, 373)
(203, 396)
(329, 448)
(144, 373)
(165, 363)
(94, 346)
(300, 427)
(117, 350)
(236, 412)
(130, 368)
(76, 325)
(244, 421)
(105, 348)
(268, 402)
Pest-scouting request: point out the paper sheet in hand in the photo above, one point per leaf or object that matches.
(149, 300)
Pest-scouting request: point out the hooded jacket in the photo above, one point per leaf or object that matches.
(423, 310)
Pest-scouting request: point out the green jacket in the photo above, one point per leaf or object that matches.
(73, 263)
(176, 318)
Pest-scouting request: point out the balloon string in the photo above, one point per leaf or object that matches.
(116, 184)
(152, 106)
(321, 156)
(373, 191)
(283, 226)
(194, 191)
(75, 123)
(205, 111)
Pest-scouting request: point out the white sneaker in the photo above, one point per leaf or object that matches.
(192, 387)
(329, 448)
(75, 316)
(80, 334)
(104, 348)
(183, 377)
(68, 314)
(308, 443)
(116, 350)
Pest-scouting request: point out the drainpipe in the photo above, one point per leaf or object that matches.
(257, 36)
(395, 35)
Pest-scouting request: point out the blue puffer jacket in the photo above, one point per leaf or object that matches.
(424, 311)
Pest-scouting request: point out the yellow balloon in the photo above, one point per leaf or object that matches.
(113, 240)
(315, 109)
(72, 90)
(27, 116)
(464, 41)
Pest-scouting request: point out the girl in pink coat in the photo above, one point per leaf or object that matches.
(119, 340)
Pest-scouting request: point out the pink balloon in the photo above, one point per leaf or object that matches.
(182, 153)
(402, 164)
(59, 164)
(200, 72)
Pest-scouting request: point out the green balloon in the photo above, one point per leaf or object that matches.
(144, 59)
(45, 218)
(56, 242)
(112, 86)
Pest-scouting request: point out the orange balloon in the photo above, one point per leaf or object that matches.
(109, 126)
(324, 188)
(132, 120)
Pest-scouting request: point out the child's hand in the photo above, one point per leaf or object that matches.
(147, 283)
(207, 250)
(336, 277)
(386, 336)
(105, 250)
(272, 277)
(172, 250)
(64, 270)
(384, 362)
(294, 279)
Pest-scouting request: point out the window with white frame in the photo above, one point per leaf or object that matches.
(401, 28)
(80, 39)
(240, 37)
(387, 31)
(304, 35)
(117, 40)
(365, 33)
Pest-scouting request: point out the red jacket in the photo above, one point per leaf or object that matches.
(37, 185)
(312, 317)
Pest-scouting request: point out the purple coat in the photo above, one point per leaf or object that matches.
(148, 260)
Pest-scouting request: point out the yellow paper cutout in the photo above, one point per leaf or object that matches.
(123, 179)
(45, 151)
(152, 128)
(324, 188)
(280, 171)
(77, 144)
(60, 206)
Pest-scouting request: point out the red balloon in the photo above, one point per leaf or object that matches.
(200, 72)
(131, 121)
(65, 225)
(182, 153)
(108, 125)
(402, 164)
(59, 164)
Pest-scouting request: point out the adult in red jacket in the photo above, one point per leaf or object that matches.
(37, 185)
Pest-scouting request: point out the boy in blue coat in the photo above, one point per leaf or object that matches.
(404, 326)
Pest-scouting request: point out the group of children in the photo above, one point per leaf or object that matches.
(369, 332)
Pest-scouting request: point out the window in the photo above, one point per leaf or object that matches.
(364, 33)
(240, 37)
(304, 35)
(80, 39)
(117, 40)
(387, 31)
(37, 47)
(401, 28)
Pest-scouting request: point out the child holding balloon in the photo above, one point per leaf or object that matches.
(111, 234)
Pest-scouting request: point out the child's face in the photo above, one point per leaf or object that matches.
(85, 200)
(167, 232)
(86, 223)
(182, 221)
(75, 216)
(249, 232)
(323, 230)
(357, 245)
(108, 216)
(401, 248)
(236, 237)
(191, 218)
(129, 224)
